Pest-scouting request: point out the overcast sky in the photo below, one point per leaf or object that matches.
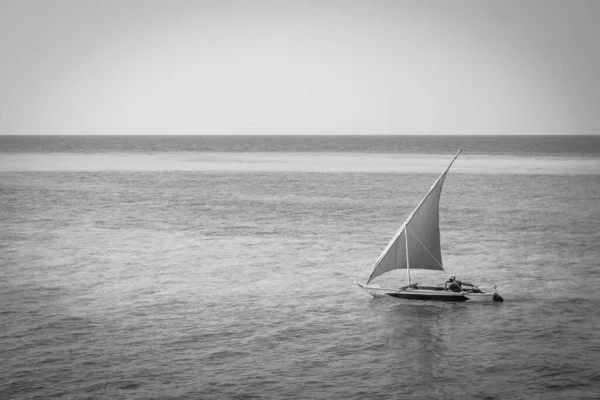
(299, 67)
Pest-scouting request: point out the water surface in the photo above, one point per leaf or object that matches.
(233, 277)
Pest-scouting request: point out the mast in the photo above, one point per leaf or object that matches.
(407, 263)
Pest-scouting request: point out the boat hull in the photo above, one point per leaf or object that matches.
(415, 293)
(480, 297)
(430, 295)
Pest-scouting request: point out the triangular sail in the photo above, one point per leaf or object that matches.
(420, 234)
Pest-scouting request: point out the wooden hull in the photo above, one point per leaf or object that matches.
(428, 294)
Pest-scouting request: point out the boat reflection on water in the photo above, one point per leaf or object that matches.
(431, 343)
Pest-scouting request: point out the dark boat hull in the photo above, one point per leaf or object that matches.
(455, 298)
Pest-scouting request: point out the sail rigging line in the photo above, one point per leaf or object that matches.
(408, 220)
(425, 247)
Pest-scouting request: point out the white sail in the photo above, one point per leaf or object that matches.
(420, 235)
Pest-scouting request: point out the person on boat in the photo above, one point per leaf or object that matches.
(455, 285)
(452, 284)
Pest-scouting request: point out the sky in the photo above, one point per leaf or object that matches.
(457, 67)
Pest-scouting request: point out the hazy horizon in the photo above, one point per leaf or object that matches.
(299, 67)
(299, 134)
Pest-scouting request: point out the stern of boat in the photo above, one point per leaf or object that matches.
(486, 295)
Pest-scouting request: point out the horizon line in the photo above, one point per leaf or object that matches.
(307, 134)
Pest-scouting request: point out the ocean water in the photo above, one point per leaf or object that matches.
(224, 267)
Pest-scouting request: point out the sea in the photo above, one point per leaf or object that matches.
(224, 267)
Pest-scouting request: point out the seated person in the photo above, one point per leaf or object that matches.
(456, 286)
(452, 284)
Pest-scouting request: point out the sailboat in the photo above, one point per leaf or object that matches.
(416, 245)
